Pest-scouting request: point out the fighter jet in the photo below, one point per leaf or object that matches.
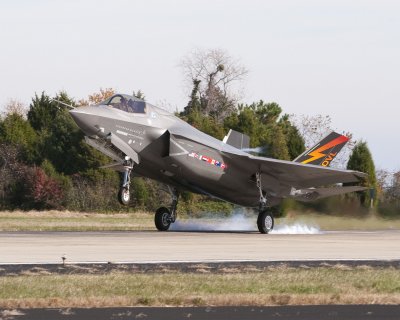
(150, 142)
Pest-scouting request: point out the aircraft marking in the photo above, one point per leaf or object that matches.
(140, 132)
(123, 133)
(318, 153)
(208, 160)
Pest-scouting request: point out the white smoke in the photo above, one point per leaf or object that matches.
(236, 222)
(255, 150)
(239, 221)
(296, 228)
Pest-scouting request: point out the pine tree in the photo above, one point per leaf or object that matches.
(16, 131)
(361, 160)
(194, 102)
(294, 141)
(42, 112)
(277, 146)
(60, 140)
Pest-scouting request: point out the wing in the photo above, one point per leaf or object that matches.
(304, 176)
(296, 175)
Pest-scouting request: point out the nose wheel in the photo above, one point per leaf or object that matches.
(124, 195)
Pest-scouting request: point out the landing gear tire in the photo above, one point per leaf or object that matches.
(124, 196)
(162, 219)
(265, 222)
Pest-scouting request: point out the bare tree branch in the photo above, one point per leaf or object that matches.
(15, 107)
(220, 76)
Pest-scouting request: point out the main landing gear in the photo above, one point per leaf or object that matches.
(164, 216)
(265, 220)
(124, 195)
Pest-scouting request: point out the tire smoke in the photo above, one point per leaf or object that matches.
(295, 228)
(240, 221)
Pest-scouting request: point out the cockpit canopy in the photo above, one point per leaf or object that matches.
(126, 103)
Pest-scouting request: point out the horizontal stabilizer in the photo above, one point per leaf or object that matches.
(311, 194)
(324, 151)
(237, 139)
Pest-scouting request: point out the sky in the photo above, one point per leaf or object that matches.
(337, 58)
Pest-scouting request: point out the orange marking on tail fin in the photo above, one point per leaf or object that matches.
(318, 153)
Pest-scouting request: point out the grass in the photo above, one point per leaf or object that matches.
(73, 221)
(76, 221)
(272, 286)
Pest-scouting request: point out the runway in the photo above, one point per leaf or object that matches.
(164, 247)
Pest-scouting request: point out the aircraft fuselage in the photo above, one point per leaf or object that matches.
(173, 152)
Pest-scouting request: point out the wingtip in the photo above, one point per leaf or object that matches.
(361, 176)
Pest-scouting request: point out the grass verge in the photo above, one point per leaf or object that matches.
(74, 221)
(272, 286)
(81, 221)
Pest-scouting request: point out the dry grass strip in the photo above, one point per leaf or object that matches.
(272, 286)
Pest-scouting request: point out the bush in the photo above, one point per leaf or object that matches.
(389, 209)
(93, 194)
(140, 192)
(36, 190)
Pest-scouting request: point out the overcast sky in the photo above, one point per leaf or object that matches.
(339, 58)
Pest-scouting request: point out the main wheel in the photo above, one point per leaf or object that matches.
(265, 222)
(124, 196)
(162, 219)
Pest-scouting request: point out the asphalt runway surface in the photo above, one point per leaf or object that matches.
(332, 312)
(166, 247)
(149, 249)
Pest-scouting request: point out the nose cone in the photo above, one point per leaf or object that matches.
(85, 119)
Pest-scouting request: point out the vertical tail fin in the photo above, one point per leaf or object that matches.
(237, 139)
(324, 151)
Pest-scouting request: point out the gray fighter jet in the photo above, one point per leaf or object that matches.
(153, 143)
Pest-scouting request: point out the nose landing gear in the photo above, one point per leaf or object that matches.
(164, 216)
(124, 195)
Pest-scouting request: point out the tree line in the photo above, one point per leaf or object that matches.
(45, 163)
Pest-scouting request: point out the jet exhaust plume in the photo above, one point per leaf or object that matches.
(239, 221)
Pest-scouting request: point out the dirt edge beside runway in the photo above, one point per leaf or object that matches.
(188, 267)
